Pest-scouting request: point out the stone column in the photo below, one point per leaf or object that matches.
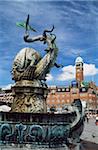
(29, 96)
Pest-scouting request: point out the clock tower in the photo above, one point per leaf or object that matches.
(79, 69)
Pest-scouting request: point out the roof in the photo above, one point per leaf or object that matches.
(84, 84)
(79, 60)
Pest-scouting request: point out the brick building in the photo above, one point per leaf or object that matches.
(86, 91)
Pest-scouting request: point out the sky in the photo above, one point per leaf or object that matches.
(76, 29)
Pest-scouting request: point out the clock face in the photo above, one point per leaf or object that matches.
(78, 70)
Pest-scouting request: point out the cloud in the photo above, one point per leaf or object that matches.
(6, 87)
(68, 72)
(90, 69)
(5, 108)
(49, 77)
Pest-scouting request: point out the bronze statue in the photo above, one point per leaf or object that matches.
(28, 63)
(30, 70)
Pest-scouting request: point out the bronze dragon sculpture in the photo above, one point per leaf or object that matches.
(28, 63)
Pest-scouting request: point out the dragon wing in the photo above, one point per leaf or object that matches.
(23, 24)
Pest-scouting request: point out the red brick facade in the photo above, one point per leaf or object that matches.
(60, 96)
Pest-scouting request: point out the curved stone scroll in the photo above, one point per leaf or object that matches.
(36, 133)
(5, 132)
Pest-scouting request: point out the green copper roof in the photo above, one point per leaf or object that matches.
(84, 84)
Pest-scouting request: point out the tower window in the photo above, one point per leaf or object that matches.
(78, 65)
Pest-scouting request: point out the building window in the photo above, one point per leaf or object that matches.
(83, 89)
(63, 100)
(63, 90)
(77, 65)
(58, 96)
(59, 89)
(67, 89)
(53, 91)
(59, 109)
(67, 100)
(63, 95)
(58, 101)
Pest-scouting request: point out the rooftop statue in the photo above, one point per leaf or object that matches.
(28, 63)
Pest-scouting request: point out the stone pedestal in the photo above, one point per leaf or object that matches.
(29, 148)
(29, 96)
